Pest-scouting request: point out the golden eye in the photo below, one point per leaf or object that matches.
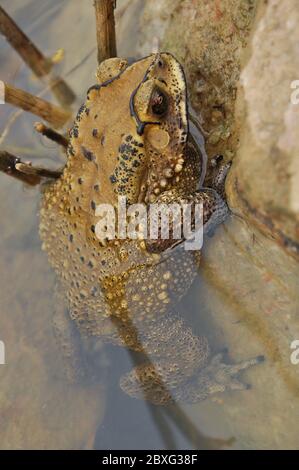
(159, 102)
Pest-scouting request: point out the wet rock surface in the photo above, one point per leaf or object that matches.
(266, 168)
(240, 58)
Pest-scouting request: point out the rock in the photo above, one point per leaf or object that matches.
(266, 170)
(247, 295)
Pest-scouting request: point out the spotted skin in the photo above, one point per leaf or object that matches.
(130, 138)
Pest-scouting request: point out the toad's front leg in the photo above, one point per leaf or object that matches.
(213, 211)
(211, 199)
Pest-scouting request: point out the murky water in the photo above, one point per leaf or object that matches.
(245, 296)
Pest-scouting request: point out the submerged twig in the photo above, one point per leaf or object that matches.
(54, 115)
(22, 44)
(188, 429)
(105, 27)
(63, 93)
(33, 57)
(51, 134)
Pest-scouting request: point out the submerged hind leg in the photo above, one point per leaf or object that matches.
(153, 382)
(178, 366)
(173, 355)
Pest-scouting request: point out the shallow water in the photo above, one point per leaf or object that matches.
(245, 297)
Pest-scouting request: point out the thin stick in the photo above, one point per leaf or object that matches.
(8, 164)
(22, 44)
(105, 27)
(56, 116)
(28, 169)
(51, 134)
(25, 172)
(19, 112)
(33, 57)
(63, 93)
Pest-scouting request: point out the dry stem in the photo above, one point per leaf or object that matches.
(54, 115)
(12, 166)
(33, 57)
(28, 169)
(105, 27)
(51, 134)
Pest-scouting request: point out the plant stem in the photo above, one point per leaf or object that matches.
(54, 115)
(22, 44)
(105, 28)
(51, 134)
(33, 58)
(25, 172)
(28, 169)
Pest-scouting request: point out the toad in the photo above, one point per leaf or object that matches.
(131, 139)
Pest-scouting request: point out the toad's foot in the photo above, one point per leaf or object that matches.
(217, 377)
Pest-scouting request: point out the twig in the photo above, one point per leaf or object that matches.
(105, 27)
(56, 116)
(61, 90)
(28, 169)
(19, 112)
(51, 134)
(196, 438)
(22, 44)
(8, 164)
(12, 166)
(33, 57)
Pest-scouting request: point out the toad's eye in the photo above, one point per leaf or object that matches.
(159, 102)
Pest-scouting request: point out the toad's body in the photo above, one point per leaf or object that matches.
(131, 139)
